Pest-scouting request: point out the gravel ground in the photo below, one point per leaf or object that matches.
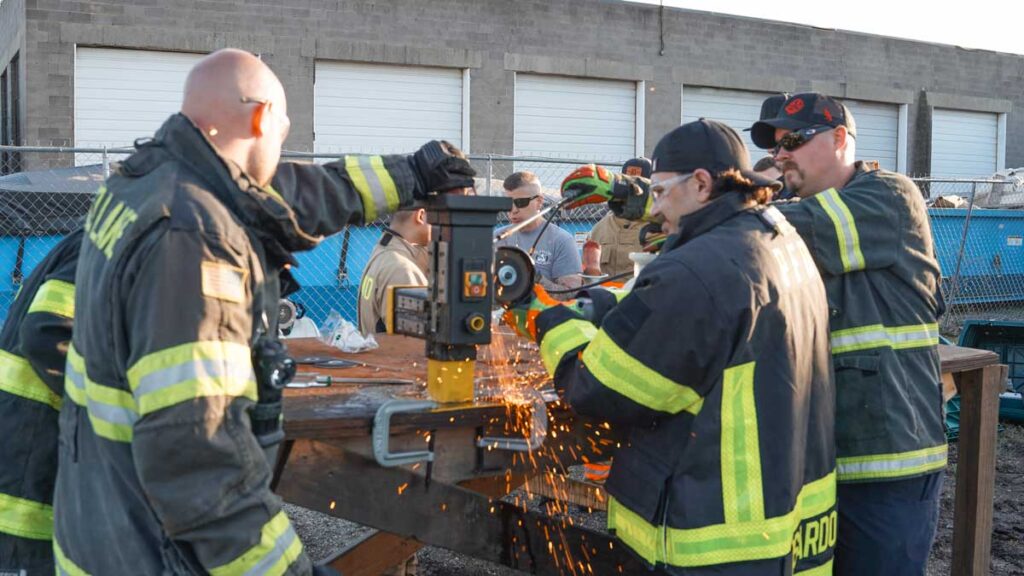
(323, 535)
(1008, 509)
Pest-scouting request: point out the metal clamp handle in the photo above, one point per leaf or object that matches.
(538, 432)
(382, 433)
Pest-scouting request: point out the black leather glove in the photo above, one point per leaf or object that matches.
(441, 166)
(631, 198)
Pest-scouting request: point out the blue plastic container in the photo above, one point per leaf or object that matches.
(992, 265)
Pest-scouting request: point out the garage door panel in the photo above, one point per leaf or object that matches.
(371, 91)
(579, 118)
(964, 143)
(877, 131)
(376, 108)
(122, 95)
(738, 109)
(591, 129)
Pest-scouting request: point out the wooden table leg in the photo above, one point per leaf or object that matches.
(975, 473)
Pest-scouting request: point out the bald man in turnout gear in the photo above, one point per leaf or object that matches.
(716, 364)
(870, 237)
(173, 373)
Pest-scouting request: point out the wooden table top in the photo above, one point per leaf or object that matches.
(957, 359)
(344, 410)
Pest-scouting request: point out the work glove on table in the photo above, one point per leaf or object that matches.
(627, 196)
(522, 318)
(440, 166)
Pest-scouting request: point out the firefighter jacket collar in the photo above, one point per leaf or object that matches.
(261, 209)
(714, 213)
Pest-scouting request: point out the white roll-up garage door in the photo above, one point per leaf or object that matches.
(877, 131)
(738, 109)
(964, 144)
(122, 95)
(579, 118)
(379, 108)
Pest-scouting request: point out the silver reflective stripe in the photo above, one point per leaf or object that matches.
(887, 467)
(212, 368)
(280, 547)
(839, 214)
(74, 377)
(376, 188)
(87, 393)
(878, 336)
(111, 413)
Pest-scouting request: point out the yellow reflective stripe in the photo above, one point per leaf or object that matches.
(355, 172)
(617, 370)
(721, 543)
(55, 297)
(25, 518)
(880, 336)
(18, 378)
(386, 182)
(742, 492)
(882, 466)
(65, 567)
(846, 229)
(563, 339)
(278, 547)
(189, 371)
(823, 570)
(374, 184)
(644, 538)
(111, 411)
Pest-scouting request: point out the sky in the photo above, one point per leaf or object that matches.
(980, 24)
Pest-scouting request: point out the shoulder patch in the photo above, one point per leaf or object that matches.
(224, 282)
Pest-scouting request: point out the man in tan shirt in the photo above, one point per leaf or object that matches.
(618, 236)
(399, 259)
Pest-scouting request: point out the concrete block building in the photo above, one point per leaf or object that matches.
(583, 79)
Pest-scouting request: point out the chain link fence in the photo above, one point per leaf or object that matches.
(977, 225)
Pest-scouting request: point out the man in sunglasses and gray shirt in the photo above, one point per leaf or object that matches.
(554, 250)
(870, 237)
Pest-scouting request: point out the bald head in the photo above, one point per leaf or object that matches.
(238, 102)
(216, 85)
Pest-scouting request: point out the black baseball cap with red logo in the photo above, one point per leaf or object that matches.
(803, 111)
(637, 167)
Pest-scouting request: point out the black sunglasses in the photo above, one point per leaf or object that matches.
(797, 138)
(524, 202)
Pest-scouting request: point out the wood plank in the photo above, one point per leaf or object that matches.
(975, 474)
(958, 359)
(372, 555)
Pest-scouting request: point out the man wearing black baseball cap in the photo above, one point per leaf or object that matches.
(715, 365)
(869, 233)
